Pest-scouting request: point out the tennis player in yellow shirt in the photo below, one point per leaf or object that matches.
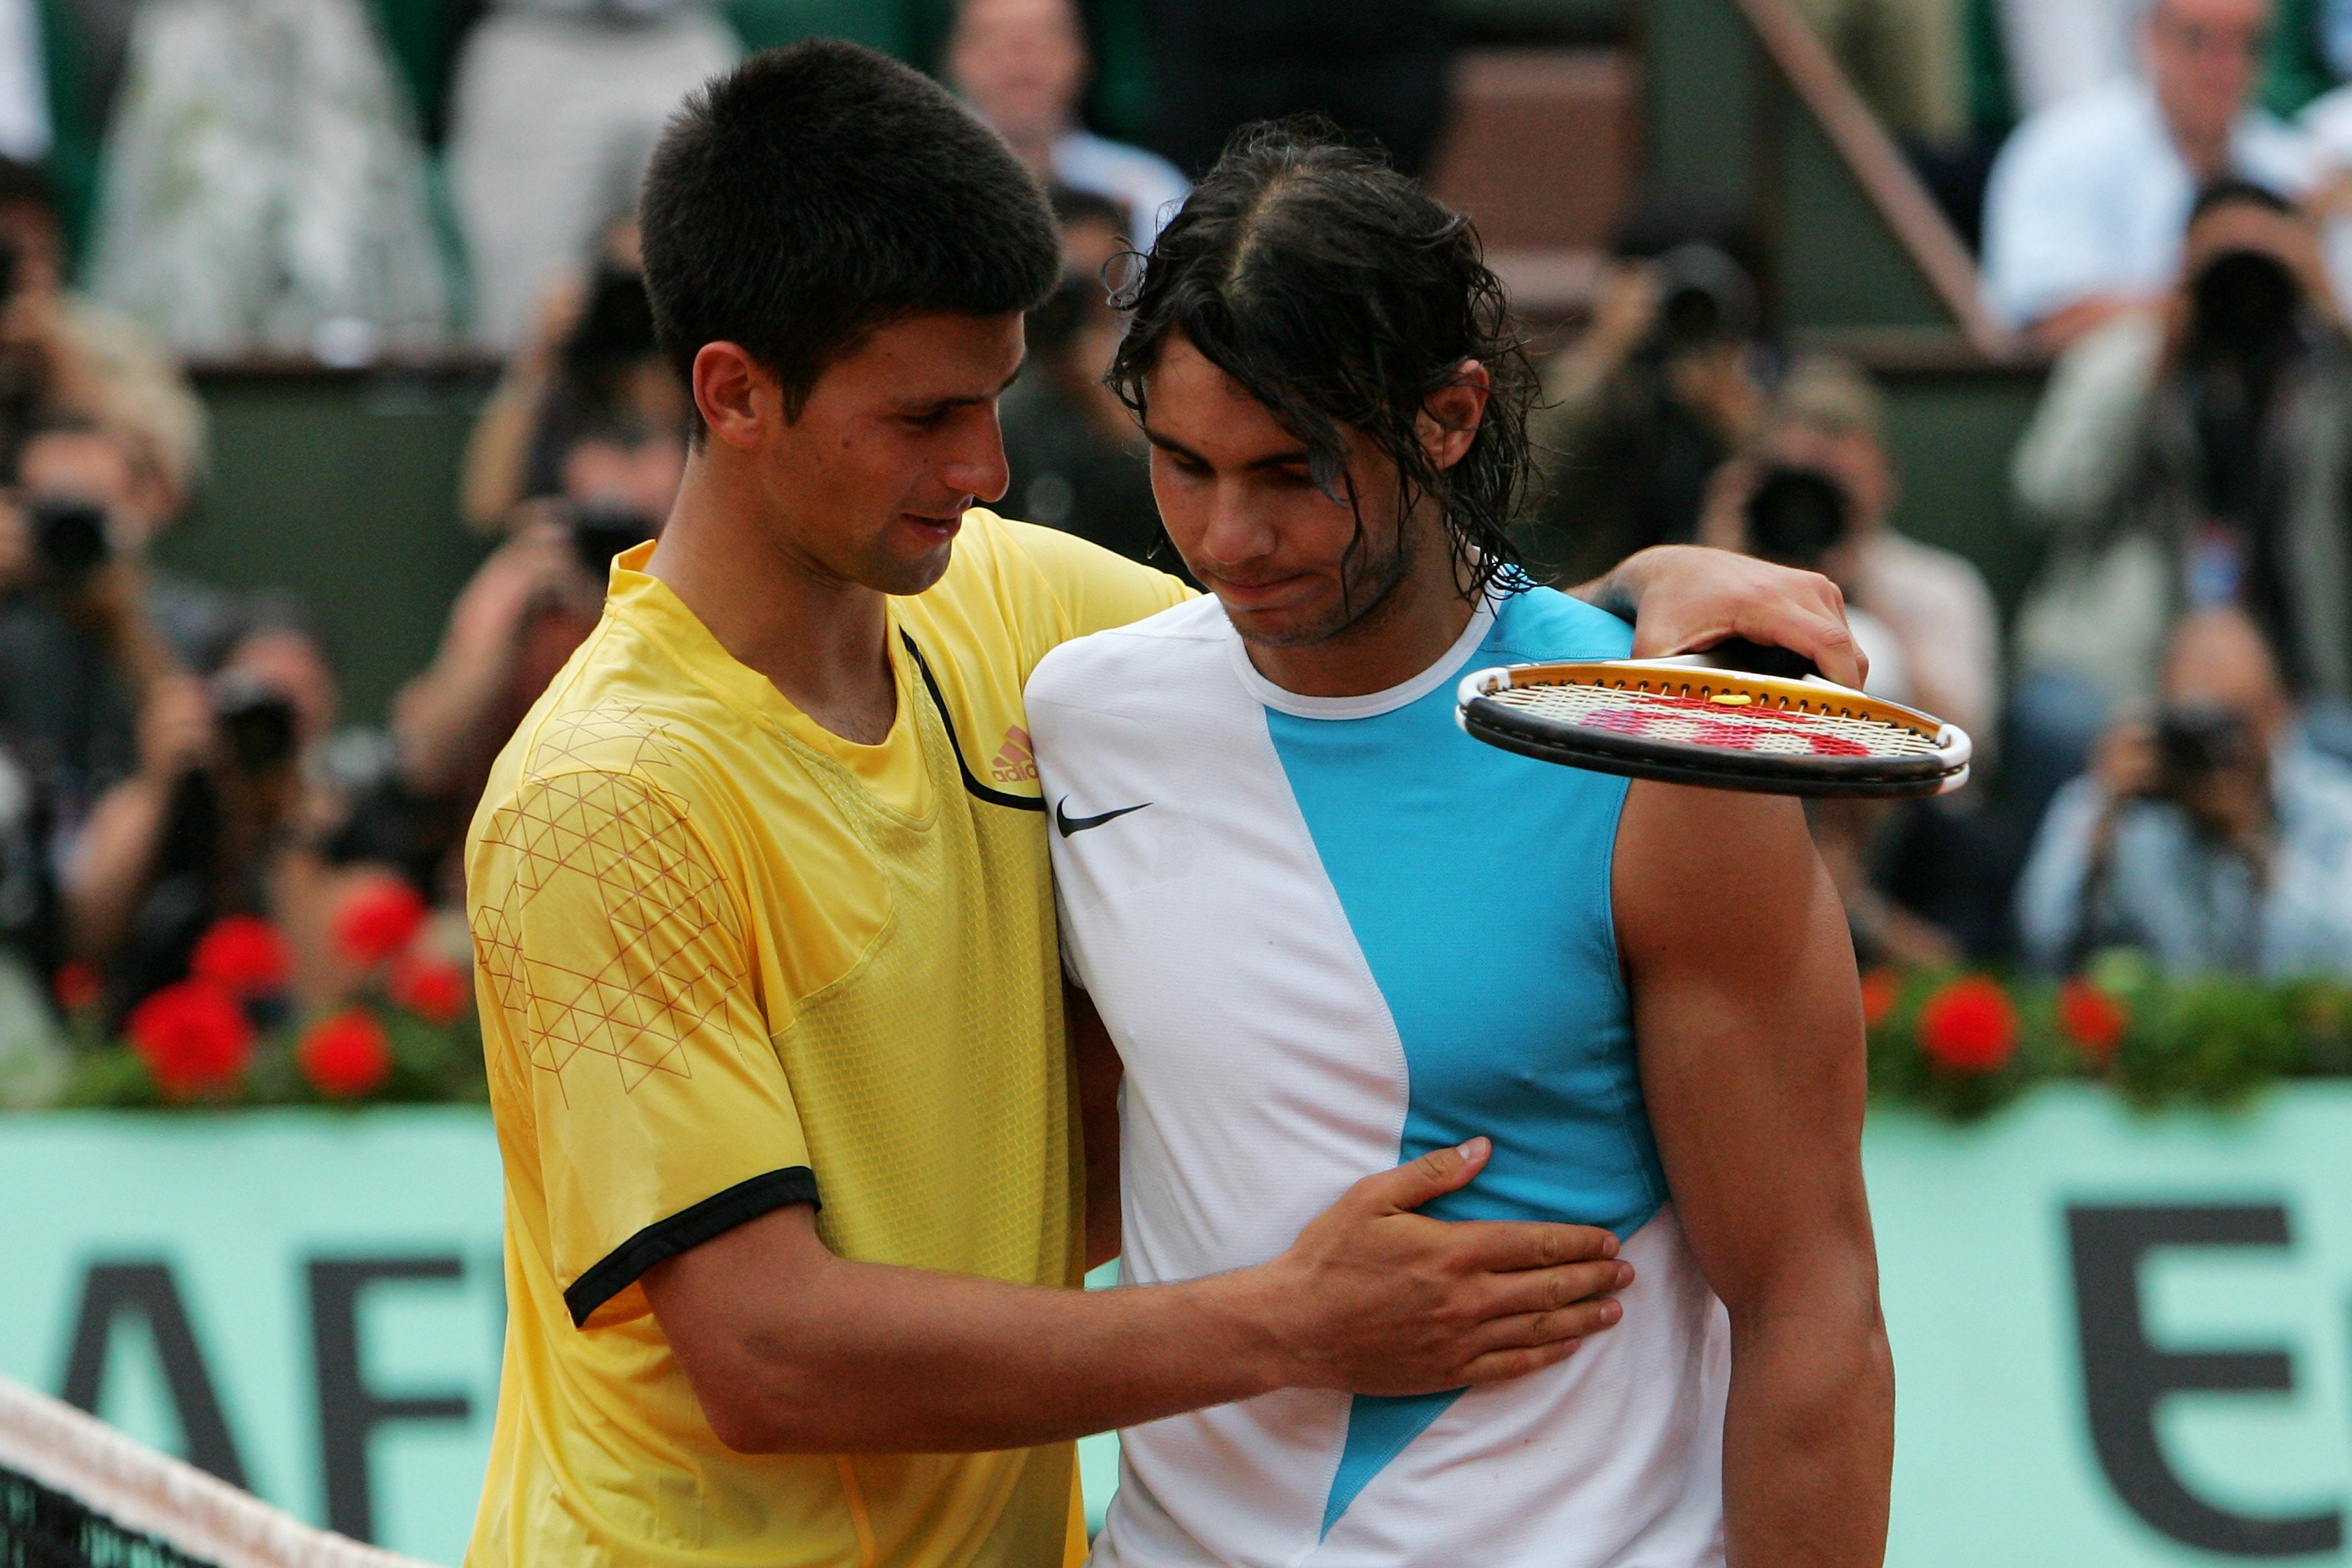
(788, 1103)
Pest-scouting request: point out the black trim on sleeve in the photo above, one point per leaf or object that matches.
(684, 1231)
(971, 785)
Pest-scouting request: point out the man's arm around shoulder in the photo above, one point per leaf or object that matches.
(1749, 1019)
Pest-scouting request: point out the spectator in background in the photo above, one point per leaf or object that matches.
(73, 458)
(556, 108)
(60, 349)
(1926, 881)
(590, 363)
(95, 645)
(1381, 67)
(2059, 50)
(2083, 217)
(2214, 837)
(222, 818)
(530, 606)
(1639, 413)
(1079, 462)
(1022, 66)
(1772, 504)
(2189, 458)
(265, 189)
(1826, 416)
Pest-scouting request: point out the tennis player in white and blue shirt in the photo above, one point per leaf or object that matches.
(1328, 932)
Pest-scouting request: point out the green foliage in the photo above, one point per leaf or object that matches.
(2214, 1042)
(432, 1064)
(2210, 1042)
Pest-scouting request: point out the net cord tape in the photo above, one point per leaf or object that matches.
(140, 1489)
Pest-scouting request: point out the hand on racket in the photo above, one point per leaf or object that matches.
(1682, 598)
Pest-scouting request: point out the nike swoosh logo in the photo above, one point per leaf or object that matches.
(1069, 825)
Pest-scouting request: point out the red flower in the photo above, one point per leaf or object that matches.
(1881, 989)
(345, 1055)
(377, 919)
(243, 955)
(76, 985)
(2093, 1020)
(1970, 1026)
(431, 988)
(192, 1036)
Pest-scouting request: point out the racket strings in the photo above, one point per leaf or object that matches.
(1695, 720)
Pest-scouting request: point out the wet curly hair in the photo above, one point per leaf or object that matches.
(1340, 294)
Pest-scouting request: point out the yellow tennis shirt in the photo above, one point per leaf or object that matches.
(728, 961)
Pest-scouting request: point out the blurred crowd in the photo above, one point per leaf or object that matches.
(173, 774)
(2162, 725)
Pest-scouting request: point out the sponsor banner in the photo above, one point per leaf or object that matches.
(2118, 1340)
(309, 1304)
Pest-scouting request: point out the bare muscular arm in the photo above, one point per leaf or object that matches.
(1749, 1019)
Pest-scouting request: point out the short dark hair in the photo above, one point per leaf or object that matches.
(1071, 208)
(1340, 294)
(2234, 191)
(816, 193)
(65, 422)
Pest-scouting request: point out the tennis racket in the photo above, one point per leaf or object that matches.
(1685, 720)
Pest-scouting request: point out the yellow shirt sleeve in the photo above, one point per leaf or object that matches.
(1094, 588)
(626, 993)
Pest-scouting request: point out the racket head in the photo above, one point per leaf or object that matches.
(1682, 720)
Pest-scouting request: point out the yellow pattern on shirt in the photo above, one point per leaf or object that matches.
(718, 943)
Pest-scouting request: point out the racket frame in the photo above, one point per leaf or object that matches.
(1697, 677)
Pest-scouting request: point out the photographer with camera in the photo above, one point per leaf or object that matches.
(1827, 417)
(531, 603)
(94, 643)
(1075, 457)
(220, 818)
(2212, 835)
(1924, 882)
(1784, 504)
(1666, 382)
(60, 349)
(2188, 459)
(589, 360)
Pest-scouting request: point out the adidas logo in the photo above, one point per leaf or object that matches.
(1017, 762)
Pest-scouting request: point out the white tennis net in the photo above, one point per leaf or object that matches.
(76, 1493)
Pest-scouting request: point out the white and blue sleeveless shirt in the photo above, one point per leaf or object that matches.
(1329, 935)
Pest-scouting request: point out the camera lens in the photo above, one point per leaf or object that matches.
(2194, 741)
(256, 721)
(1797, 517)
(599, 533)
(2243, 302)
(1705, 296)
(69, 536)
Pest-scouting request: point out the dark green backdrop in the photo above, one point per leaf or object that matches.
(342, 488)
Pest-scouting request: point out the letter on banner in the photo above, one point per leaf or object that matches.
(2124, 1377)
(350, 1411)
(147, 1290)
